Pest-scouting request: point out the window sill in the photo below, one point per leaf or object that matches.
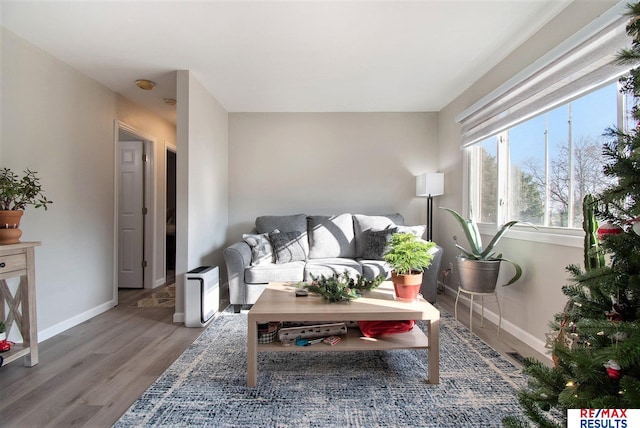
(545, 235)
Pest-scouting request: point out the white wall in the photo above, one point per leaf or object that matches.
(203, 181)
(530, 304)
(60, 123)
(328, 163)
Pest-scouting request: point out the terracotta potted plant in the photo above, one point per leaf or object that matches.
(408, 256)
(479, 267)
(16, 193)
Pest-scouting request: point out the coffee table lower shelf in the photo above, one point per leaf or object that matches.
(352, 341)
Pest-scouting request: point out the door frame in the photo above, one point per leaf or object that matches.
(149, 142)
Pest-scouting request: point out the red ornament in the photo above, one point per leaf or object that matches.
(613, 369)
(607, 229)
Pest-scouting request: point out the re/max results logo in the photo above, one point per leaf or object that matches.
(603, 418)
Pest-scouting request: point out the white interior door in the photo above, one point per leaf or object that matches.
(131, 215)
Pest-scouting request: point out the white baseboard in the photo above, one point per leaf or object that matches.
(48, 333)
(514, 330)
(178, 317)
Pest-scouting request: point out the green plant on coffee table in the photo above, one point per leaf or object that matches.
(340, 287)
(361, 283)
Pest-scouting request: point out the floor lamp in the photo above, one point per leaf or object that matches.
(430, 184)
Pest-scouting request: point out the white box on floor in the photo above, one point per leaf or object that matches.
(202, 296)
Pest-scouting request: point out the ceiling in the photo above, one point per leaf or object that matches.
(285, 56)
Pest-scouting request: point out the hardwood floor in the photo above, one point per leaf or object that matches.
(90, 374)
(507, 342)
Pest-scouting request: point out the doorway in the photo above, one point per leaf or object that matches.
(171, 214)
(131, 213)
(134, 209)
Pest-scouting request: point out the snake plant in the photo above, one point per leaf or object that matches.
(477, 252)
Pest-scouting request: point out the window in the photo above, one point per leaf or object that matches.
(539, 171)
(534, 143)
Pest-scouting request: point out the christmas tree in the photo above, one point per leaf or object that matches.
(595, 340)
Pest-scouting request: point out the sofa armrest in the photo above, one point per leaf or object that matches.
(237, 257)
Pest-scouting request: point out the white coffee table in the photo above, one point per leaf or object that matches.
(278, 302)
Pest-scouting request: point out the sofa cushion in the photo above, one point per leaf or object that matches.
(331, 266)
(288, 246)
(373, 268)
(375, 242)
(331, 236)
(284, 223)
(363, 222)
(261, 249)
(272, 272)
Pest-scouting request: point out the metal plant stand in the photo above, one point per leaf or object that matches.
(482, 295)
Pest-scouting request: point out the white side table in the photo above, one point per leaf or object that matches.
(482, 295)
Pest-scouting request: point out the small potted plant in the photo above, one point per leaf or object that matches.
(16, 193)
(3, 333)
(408, 257)
(479, 267)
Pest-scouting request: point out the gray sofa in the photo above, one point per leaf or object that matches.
(292, 248)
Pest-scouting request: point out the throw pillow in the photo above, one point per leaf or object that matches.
(261, 249)
(376, 242)
(285, 223)
(288, 246)
(418, 231)
(363, 222)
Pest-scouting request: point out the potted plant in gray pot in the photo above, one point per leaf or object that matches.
(408, 257)
(479, 267)
(16, 193)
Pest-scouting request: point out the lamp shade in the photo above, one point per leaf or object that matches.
(430, 184)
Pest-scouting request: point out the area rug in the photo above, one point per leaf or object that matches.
(206, 385)
(164, 298)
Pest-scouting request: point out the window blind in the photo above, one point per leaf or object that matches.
(583, 62)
